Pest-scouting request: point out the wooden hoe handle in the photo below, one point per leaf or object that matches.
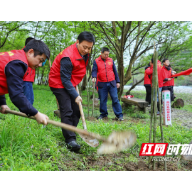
(62, 125)
(81, 111)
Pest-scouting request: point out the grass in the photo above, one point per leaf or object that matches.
(28, 146)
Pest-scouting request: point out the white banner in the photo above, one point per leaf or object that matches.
(166, 107)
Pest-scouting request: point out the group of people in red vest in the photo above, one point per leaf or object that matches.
(17, 71)
(165, 79)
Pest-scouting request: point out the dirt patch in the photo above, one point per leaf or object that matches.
(101, 161)
(106, 119)
(142, 165)
(182, 117)
(171, 166)
(91, 119)
(121, 162)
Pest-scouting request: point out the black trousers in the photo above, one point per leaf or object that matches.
(148, 93)
(170, 88)
(69, 111)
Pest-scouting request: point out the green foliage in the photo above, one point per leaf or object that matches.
(140, 115)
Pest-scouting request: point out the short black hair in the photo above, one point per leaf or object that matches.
(152, 60)
(28, 39)
(164, 60)
(86, 36)
(104, 49)
(39, 48)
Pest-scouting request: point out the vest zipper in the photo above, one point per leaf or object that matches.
(106, 71)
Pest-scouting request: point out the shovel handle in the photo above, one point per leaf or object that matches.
(62, 125)
(81, 111)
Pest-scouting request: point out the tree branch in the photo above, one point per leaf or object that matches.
(48, 30)
(133, 86)
(8, 33)
(104, 31)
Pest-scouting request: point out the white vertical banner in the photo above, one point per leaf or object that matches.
(166, 107)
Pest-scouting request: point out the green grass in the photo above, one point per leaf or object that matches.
(26, 145)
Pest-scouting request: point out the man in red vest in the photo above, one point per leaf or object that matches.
(13, 65)
(67, 71)
(167, 80)
(149, 71)
(108, 81)
(147, 84)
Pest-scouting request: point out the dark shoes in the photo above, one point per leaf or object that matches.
(120, 119)
(116, 118)
(100, 118)
(73, 146)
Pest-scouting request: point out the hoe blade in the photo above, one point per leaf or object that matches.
(117, 142)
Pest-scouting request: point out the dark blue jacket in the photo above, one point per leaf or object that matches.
(66, 71)
(14, 72)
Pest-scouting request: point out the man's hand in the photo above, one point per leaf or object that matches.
(78, 99)
(3, 108)
(169, 79)
(94, 80)
(173, 72)
(118, 85)
(41, 118)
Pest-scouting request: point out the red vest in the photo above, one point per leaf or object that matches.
(105, 69)
(149, 71)
(166, 74)
(5, 58)
(29, 75)
(172, 82)
(79, 67)
(160, 75)
(147, 80)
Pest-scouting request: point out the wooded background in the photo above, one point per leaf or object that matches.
(131, 43)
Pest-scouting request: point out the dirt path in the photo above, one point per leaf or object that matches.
(182, 117)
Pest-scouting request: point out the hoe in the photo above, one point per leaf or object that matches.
(116, 142)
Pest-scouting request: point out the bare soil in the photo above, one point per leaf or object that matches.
(120, 162)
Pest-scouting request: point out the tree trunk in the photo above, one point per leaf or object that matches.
(83, 86)
(121, 75)
(42, 75)
(88, 91)
(128, 74)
